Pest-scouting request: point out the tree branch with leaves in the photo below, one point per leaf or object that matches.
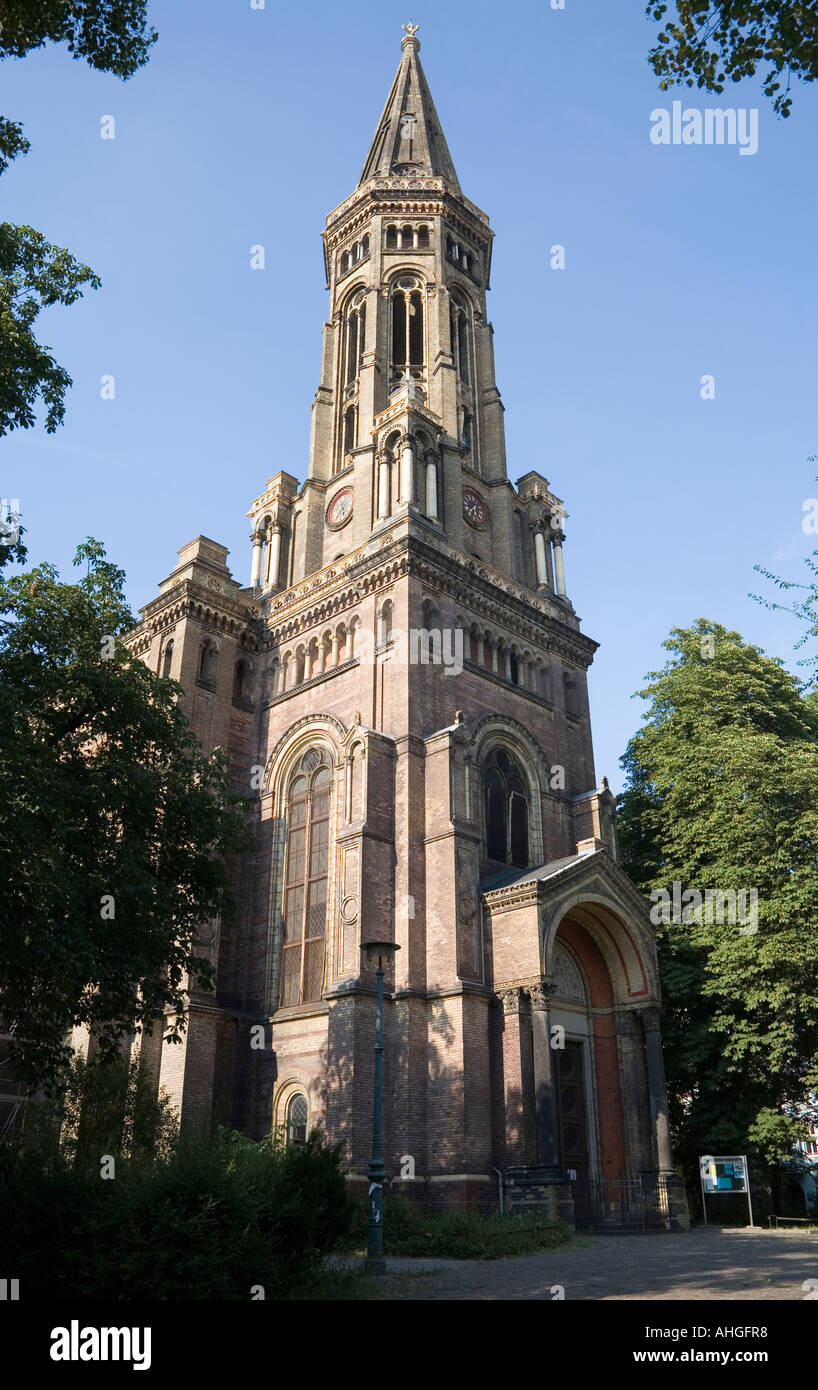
(708, 43)
(111, 36)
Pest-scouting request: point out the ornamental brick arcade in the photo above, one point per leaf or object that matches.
(447, 805)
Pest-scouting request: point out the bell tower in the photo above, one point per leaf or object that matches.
(407, 418)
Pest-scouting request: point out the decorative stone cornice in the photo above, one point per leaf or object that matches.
(215, 609)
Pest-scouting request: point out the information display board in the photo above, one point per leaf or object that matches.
(723, 1173)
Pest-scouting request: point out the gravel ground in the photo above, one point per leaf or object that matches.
(707, 1264)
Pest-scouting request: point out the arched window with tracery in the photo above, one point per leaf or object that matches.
(506, 810)
(305, 878)
(408, 332)
(296, 1119)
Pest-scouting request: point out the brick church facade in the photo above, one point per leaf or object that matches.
(402, 691)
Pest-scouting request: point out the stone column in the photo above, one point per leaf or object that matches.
(518, 1079)
(336, 647)
(507, 663)
(255, 574)
(549, 565)
(481, 649)
(560, 572)
(407, 470)
(494, 660)
(350, 643)
(275, 556)
(545, 1092)
(431, 489)
(657, 1088)
(539, 555)
(383, 485)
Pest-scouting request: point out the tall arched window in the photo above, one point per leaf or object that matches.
(506, 807)
(305, 879)
(296, 1122)
(460, 322)
(354, 336)
(167, 658)
(408, 332)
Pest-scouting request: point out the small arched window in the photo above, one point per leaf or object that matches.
(571, 694)
(305, 879)
(349, 429)
(167, 658)
(423, 238)
(240, 679)
(392, 238)
(296, 1122)
(385, 622)
(506, 809)
(208, 663)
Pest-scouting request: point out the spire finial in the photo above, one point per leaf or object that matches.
(410, 39)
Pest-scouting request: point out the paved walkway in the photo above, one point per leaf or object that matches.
(703, 1264)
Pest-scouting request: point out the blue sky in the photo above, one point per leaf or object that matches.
(248, 126)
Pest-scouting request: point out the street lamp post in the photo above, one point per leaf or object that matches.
(378, 953)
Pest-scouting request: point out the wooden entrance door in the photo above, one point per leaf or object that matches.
(573, 1124)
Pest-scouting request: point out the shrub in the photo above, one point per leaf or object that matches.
(209, 1222)
(458, 1233)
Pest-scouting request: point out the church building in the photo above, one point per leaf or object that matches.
(402, 692)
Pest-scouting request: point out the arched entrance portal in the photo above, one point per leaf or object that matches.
(584, 1103)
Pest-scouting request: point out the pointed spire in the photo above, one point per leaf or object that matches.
(409, 139)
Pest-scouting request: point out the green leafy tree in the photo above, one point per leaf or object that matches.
(805, 601)
(33, 275)
(706, 43)
(104, 1109)
(114, 826)
(111, 36)
(721, 795)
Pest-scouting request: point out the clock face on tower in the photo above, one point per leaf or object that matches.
(339, 511)
(474, 508)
